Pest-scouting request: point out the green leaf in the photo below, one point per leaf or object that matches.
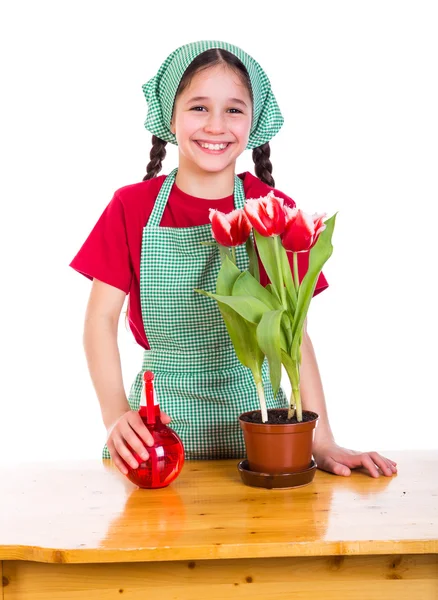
(249, 308)
(228, 273)
(292, 370)
(291, 303)
(224, 252)
(286, 332)
(266, 250)
(241, 332)
(243, 337)
(319, 254)
(268, 337)
(253, 259)
(287, 276)
(246, 285)
(273, 291)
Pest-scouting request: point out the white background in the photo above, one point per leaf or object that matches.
(357, 84)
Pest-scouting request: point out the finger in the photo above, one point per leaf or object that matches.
(391, 467)
(129, 435)
(140, 429)
(121, 448)
(116, 458)
(330, 465)
(388, 460)
(165, 417)
(392, 463)
(381, 462)
(368, 463)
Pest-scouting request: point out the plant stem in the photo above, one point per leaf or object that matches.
(291, 410)
(261, 393)
(296, 274)
(276, 242)
(233, 254)
(293, 371)
(297, 394)
(253, 260)
(224, 252)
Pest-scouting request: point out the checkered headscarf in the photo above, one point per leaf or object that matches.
(160, 93)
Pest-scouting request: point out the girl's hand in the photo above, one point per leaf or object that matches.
(335, 459)
(130, 429)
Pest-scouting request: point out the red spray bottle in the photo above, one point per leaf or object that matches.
(166, 456)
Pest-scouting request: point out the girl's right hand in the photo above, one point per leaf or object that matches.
(130, 429)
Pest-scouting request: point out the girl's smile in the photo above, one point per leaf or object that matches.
(212, 121)
(213, 147)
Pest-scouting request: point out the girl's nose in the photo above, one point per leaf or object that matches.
(215, 124)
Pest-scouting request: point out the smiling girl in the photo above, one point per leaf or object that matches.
(213, 101)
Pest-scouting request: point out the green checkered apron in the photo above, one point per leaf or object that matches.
(199, 380)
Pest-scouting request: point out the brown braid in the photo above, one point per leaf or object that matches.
(157, 155)
(262, 164)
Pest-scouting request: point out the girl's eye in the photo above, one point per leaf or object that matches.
(196, 107)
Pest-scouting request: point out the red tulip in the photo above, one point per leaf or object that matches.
(302, 230)
(266, 214)
(230, 229)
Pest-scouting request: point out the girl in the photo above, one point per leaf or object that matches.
(213, 101)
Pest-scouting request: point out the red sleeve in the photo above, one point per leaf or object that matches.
(105, 253)
(303, 257)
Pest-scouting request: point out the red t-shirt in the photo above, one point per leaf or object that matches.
(112, 251)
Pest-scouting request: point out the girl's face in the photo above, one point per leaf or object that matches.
(215, 109)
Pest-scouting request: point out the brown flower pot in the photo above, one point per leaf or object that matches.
(275, 448)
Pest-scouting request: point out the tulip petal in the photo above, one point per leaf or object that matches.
(266, 214)
(251, 209)
(275, 213)
(220, 227)
(290, 213)
(318, 223)
(240, 226)
(230, 229)
(299, 232)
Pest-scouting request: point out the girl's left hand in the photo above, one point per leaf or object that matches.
(335, 459)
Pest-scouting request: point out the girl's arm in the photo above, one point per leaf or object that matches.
(124, 426)
(328, 455)
(101, 349)
(312, 393)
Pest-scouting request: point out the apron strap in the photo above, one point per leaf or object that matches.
(160, 203)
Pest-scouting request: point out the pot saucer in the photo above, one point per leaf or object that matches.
(276, 480)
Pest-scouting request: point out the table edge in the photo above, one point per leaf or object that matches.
(217, 551)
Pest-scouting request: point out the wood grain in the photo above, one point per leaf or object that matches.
(81, 512)
(350, 578)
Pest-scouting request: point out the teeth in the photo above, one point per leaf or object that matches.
(213, 146)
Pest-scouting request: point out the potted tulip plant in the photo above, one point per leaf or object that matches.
(268, 321)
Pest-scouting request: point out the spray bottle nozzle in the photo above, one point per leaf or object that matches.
(149, 396)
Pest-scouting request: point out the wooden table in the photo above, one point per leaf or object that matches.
(82, 530)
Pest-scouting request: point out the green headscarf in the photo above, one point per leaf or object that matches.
(160, 92)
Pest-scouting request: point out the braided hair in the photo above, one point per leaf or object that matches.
(262, 164)
(209, 58)
(157, 155)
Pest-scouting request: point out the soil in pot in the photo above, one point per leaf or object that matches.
(277, 416)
